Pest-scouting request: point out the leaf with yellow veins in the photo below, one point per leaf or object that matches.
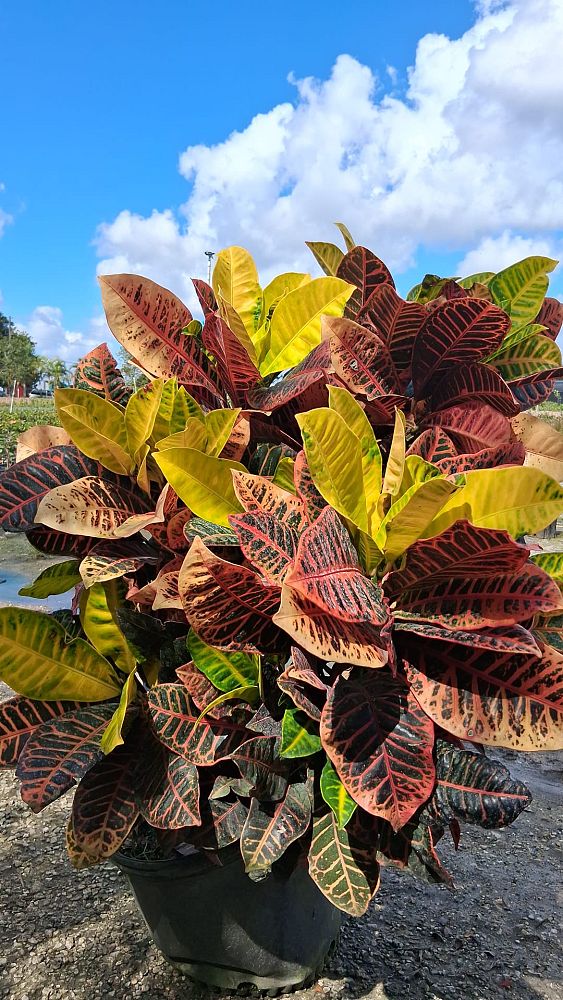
(194, 435)
(334, 456)
(219, 425)
(98, 615)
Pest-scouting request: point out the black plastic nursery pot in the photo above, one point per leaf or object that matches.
(219, 927)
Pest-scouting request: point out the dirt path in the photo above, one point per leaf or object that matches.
(68, 935)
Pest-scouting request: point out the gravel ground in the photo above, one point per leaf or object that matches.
(79, 935)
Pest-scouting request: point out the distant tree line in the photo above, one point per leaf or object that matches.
(21, 365)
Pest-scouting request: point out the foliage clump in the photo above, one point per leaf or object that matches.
(302, 605)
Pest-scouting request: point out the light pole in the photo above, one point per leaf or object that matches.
(210, 255)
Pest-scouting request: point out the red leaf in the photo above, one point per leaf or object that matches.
(511, 453)
(381, 744)
(469, 577)
(201, 691)
(533, 389)
(306, 489)
(97, 371)
(267, 542)
(236, 370)
(510, 639)
(327, 572)
(19, 718)
(227, 605)
(104, 808)
(168, 789)
(433, 445)
(60, 753)
(495, 699)
(360, 358)
(551, 316)
(205, 295)
(302, 684)
(202, 743)
(474, 382)
(473, 426)
(259, 495)
(458, 332)
(314, 368)
(360, 267)
(396, 323)
(329, 637)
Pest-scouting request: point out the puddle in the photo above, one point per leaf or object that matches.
(12, 580)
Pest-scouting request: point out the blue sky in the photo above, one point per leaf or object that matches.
(118, 150)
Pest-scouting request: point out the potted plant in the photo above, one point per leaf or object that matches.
(301, 609)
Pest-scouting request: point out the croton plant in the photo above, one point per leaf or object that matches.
(301, 603)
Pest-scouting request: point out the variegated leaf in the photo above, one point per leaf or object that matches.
(299, 735)
(270, 829)
(60, 752)
(259, 762)
(396, 323)
(95, 508)
(380, 743)
(168, 789)
(19, 718)
(498, 700)
(104, 808)
(344, 869)
(459, 332)
(472, 789)
(98, 372)
(202, 743)
(227, 605)
(267, 542)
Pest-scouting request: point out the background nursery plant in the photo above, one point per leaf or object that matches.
(299, 594)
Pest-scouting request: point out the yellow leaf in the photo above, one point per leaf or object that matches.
(219, 425)
(328, 255)
(163, 420)
(334, 456)
(296, 321)
(417, 470)
(194, 436)
(396, 461)
(279, 287)
(203, 483)
(112, 737)
(37, 661)
(185, 406)
(235, 279)
(516, 499)
(348, 238)
(408, 517)
(96, 426)
(344, 403)
(140, 415)
(98, 607)
(283, 476)
(38, 439)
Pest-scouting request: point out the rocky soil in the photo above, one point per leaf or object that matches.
(78, 935)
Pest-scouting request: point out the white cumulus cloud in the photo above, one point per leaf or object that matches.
(46, 327)
(470, 156)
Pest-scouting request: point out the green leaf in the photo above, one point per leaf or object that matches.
(532, 354)
(516, 499)
(98, 614)
(480, 278)
(327, 255)
(55, 579)
(185, 406)
(226, 671)
(299, 738)
(336, 796)
(219, 425)
(37, 661)
(113, 736)
(203, 483)
(520, 289)
(334, 455)
(96, 426)
(283, 476)
(140, 415)
(296, 321)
